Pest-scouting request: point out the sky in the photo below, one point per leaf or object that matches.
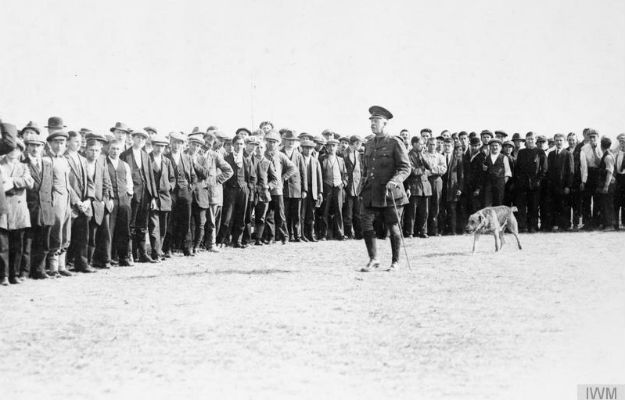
(546, 66)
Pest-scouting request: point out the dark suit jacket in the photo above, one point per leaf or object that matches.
(250, 174)
(477, 174)
(454, 178)
(164, 180)
(78, 175)
(39, 197)
(103, 190)
(560, 170)
(530, 168)
(354, 173)
(293, 186)
(314, 178)
(265, 178)
(148, 173)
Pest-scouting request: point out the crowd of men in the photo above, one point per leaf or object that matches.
(81, 201)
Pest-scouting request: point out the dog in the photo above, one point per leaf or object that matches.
(495, 220)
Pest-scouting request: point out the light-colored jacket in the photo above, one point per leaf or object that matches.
(15, 180)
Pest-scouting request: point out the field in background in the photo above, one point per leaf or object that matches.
(298, 321)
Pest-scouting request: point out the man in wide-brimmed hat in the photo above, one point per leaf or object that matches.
(144, 193)
(122, 132)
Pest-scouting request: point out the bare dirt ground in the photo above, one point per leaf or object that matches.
(297, 321)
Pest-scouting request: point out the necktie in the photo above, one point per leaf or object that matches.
(595, 157)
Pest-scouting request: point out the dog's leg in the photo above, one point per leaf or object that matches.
(516, 235)
(501, 239)
(496, 234)
(475, 238)
(513, 228)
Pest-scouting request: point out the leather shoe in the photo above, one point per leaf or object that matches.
(40, 275)
(258, 243)
(214, 250)
(5, 282)
(393, 267)
(102, 266)
(86, 270)
(125, 263)
(304, 239)
(297, 240)
(15, 281)
(373, 263)
(64, 272)
(146, 259)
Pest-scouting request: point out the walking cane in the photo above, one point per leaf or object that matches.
(401, 234)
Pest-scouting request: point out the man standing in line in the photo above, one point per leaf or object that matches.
(385, 167)
(334, 180)
(351, 207)
(590, 157)
(438, 167)
(559, 181)
(531, 168)
(164, 179)
(236, 193)
(179, 232)
(294, 189)
(77, 252)
(99, 194)
(39, 199)
(63, 198)
(143, 194)
(314, 190)
(284, 169)
(122, 193)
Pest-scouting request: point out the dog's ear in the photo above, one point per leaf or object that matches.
(480, 217)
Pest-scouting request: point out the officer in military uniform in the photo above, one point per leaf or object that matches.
(385, 167)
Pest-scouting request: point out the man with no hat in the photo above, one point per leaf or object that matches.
(385, 167)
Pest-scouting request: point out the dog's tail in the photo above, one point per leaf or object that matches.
(514, 209)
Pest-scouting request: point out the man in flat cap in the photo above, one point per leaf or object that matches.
(590, 157)
(559, 179)
(619, 184)
(294, 188)
(497, 172)
(144, 193)
(385, 167)
(351, 208)
(530, 169)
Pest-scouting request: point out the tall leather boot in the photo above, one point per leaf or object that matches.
(395, 237)
(370, 242)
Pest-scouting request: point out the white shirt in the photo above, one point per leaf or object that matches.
(91, 169)
(176, 157)
(506, 164)
(618, 164)
(589, 158)
(157, 159)
(137, 155)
